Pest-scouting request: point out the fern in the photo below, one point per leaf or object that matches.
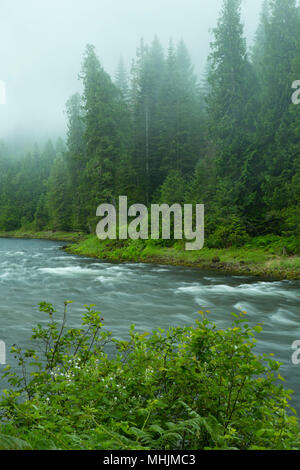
(13, 443)
(195, 432)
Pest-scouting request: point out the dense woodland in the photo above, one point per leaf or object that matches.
(159, 134)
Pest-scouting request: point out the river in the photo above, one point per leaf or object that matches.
(149, 296)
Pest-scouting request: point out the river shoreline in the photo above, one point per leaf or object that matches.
(235, 261)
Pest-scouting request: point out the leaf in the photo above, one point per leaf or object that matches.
(281, 378)
(13, 443)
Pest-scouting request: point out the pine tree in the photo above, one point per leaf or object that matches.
(104, 136)
(148, 72)
(76, 159)
(122, 81)
(58, 199)
(232, 105)
(278, 132)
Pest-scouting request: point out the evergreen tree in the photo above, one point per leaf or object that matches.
(58, 200)
(122, 81)
(148, 72)
(76, 159)
(278, 132)
(232, 104)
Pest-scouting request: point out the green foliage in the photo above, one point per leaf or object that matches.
(172, 190)
(157, 134)
(277, 245)
(23, 185)
(58, 201)
(13, 443)
(231, 234)
(185, 388)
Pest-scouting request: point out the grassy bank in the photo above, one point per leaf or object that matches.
(249, 260)
(264, 256)
(72, 237)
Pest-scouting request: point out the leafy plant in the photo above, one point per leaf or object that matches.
(185, 388)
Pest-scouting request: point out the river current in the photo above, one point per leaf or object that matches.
(150, 296)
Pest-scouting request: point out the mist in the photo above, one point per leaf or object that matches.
(42, 44)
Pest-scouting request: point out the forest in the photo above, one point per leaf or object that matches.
(181, 376)
(159, 134)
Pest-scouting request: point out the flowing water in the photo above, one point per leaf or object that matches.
(149, 296)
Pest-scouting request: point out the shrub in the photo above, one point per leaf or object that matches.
(231, 234)
(186, 388)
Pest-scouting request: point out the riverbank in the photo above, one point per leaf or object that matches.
(258, 258)
(242, 261)
(72, 237)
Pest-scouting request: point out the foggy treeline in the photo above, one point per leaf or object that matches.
(156, 133)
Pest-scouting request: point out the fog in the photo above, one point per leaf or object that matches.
(42, 43)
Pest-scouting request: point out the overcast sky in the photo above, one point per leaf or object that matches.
(42, 44)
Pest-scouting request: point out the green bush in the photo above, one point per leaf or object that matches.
(276, 244)
(227, 235)
(186, 388)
